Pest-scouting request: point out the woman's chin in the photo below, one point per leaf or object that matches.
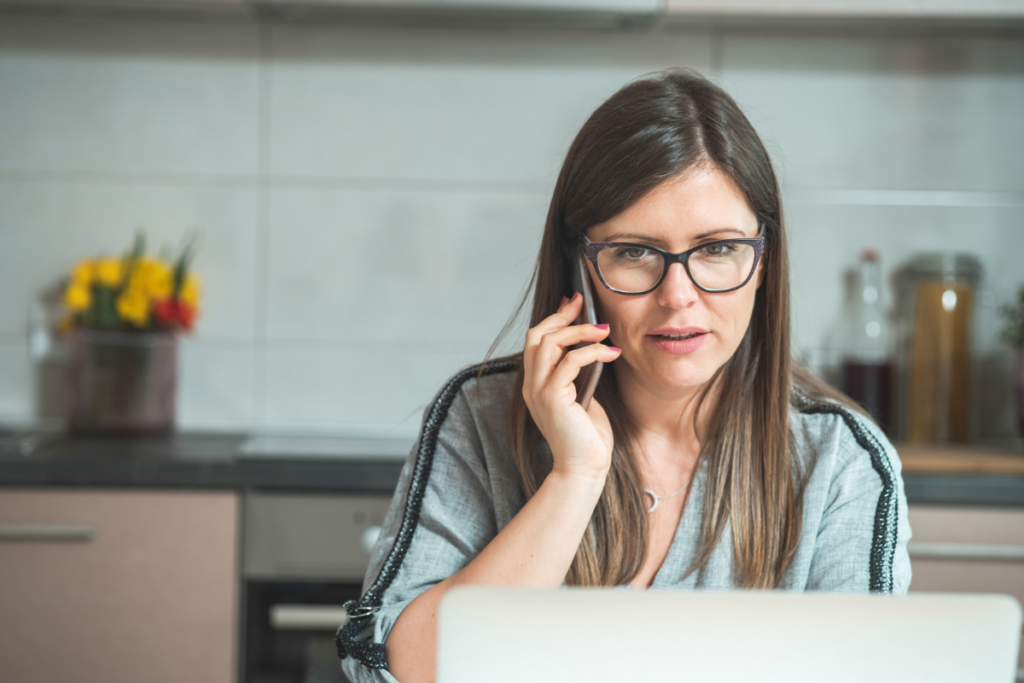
(681, 375)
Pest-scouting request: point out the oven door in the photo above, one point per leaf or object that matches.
(304, 556)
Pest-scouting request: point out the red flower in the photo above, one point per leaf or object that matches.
(174, 313)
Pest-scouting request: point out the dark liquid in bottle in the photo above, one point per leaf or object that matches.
(870, 385)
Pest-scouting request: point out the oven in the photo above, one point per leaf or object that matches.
(303, 556)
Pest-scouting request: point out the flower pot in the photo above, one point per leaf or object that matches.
(121, 382)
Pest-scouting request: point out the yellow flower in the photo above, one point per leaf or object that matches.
(133, 307)
(109, 271)
(83, 272)
(152, 277)
(78, 296)
(190, 290)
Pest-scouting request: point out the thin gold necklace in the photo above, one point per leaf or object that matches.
(656, 498)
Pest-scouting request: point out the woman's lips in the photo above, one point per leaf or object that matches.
(678, 341)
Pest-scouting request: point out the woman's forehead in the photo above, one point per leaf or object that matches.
(702, 203)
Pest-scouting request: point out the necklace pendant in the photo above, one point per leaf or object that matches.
(655, 497)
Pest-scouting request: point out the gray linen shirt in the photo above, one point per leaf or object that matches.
(460, 487)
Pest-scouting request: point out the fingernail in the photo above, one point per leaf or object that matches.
(601, 326)
(575, 295)
(615, 349)
(563, 302)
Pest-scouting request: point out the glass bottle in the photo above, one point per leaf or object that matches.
(866, 338)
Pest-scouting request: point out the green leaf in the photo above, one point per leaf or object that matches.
(181, 268)
(106, 310)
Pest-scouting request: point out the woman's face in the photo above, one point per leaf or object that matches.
(700, 206)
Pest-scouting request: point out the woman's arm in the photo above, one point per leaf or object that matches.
(537, 546)
(535, 549)
(861, 540)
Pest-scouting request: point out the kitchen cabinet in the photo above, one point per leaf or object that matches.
(968, 550)
(118, 585)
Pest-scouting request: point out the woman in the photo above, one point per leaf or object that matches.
(707, 458)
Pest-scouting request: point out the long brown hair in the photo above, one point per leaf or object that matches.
(651, 130)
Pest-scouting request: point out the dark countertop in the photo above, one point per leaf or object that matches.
(216, 461)
(193, 461)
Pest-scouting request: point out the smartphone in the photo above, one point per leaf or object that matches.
(586, 381)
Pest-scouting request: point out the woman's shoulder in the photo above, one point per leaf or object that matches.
(853, 496)
(478, 391)
(841, 441)
(470, 411)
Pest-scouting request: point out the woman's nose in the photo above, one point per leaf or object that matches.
(677, 289)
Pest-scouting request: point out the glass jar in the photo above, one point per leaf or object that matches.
(121, 382)
(935, 311)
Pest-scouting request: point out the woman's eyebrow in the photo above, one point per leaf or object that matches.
(719, 231)
(620, 236)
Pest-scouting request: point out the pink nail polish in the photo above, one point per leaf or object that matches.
(601, 326)
(575, 295)
(615, 348)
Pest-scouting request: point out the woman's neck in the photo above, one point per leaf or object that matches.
(662, 415)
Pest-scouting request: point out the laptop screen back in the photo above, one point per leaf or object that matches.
(501, 635)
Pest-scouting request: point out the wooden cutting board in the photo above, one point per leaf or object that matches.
(960, 460)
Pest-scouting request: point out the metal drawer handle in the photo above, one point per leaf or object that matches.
(308, 617)
(47, 532)
(967, 551)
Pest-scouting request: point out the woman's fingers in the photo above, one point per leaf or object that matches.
(555, 345)
(570, 366)
(561, 318)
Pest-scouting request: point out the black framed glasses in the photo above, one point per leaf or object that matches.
(713, 267)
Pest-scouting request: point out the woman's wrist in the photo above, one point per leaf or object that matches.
(585, 486)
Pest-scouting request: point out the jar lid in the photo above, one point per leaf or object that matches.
(943, 265)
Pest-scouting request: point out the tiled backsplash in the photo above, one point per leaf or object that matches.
(371, 200)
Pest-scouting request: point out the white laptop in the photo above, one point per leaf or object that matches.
(499, 635)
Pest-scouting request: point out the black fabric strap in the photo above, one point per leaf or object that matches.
(348, 639)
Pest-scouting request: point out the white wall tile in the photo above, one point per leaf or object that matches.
(382, 389)
(216, 385)
(477, 106)
(398, 265)
(128, 96)
(430, 155)
(46, 227)
(911, 113)
(17, 390)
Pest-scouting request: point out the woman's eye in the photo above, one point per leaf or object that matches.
(718, 249)
(631, 252)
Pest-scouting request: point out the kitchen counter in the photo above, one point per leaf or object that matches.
(938, 476)
(202, 461)
(962, 475)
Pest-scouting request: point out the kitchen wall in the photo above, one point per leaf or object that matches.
(370, 199)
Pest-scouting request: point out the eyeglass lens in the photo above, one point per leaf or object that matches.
(634, 268)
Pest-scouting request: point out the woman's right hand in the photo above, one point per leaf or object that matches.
(580, 440)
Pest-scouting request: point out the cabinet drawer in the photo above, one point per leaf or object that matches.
(994, 537)
(118, 586)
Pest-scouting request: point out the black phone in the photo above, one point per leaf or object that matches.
(586, 381)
